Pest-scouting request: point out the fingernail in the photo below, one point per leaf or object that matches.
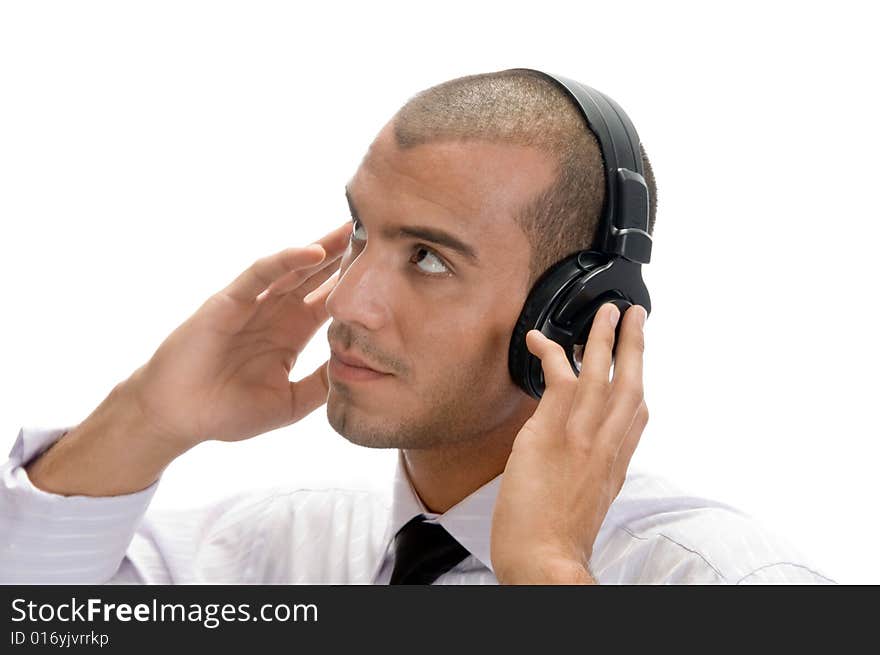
(614, 315)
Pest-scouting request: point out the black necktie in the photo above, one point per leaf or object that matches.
(424, 552)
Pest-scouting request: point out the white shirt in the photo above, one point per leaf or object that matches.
(653, 533)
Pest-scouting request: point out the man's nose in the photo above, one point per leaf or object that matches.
(362, 293)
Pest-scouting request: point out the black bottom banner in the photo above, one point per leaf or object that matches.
(463, 618)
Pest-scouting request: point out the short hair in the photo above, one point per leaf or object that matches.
(522, 107)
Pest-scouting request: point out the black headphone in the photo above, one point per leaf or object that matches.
(565, 299)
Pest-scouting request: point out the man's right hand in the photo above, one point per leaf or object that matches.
(223, 374)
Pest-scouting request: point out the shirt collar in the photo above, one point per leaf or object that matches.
(469, 521)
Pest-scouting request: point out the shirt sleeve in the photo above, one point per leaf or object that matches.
(54, 539)
(785, 573)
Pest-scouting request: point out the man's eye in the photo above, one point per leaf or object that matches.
(425, 259)
(433, 264)
(354, 233)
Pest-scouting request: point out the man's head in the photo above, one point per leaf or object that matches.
(465, 197)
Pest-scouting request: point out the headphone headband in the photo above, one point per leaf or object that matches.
(564, 300)
(626, 206)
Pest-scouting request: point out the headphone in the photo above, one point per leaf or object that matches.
(563, 302)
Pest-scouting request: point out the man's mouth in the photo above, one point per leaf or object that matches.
(350, 367)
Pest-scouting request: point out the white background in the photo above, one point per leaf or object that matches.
(149, 152)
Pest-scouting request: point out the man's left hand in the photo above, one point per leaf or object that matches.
(569, 460)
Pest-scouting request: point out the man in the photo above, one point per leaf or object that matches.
(465, 197)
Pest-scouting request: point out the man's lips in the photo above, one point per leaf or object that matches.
(350, 359)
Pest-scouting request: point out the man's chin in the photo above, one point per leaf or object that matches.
(348, 422)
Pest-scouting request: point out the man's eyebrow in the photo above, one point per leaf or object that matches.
(432, 234)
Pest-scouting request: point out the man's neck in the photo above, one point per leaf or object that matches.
(443, 477)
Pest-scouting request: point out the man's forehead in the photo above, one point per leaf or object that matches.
(434, 174)
(472, 188)
(467, 175)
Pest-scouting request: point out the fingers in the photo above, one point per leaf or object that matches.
(301, 282)
(597, 351)
(317, 297)
(301, 262)
(593, 383)
(631, 350)
(308, 394)
(559, 380)
(336, 241)
(266, 270)
(305, 281)
(627, 388)
(603, 411)
(630, 441)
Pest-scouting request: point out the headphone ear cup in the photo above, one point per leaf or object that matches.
(547, 292)
(518, 354)
(563, 304)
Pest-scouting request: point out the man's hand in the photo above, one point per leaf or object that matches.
(223, 374)
(569, 460)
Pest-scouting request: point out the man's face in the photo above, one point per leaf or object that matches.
(437, 321)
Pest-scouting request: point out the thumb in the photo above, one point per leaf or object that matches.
(560, 381)
(554, 362)
(309, 393)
